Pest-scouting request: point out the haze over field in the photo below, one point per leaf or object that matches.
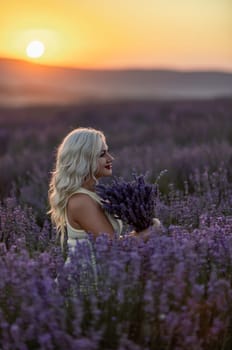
(23, 83)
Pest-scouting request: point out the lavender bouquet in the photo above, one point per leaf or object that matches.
(133, 202)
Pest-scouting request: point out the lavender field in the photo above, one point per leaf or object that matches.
(173, 292)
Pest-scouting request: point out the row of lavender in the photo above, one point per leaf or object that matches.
(172, 292)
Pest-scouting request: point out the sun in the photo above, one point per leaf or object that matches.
(35, 49)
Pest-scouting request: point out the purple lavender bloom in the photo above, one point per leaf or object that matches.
(133, 202)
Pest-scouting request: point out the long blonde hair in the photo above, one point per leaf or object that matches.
(76, 160)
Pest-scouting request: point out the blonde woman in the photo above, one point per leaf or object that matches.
(82, 158)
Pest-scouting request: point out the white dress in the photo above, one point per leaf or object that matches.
(88, 279)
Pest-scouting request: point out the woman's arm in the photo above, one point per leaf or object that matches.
(86, 214)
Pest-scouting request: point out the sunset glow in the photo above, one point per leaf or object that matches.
(108, 34)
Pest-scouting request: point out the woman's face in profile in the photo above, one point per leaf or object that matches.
(104, 162)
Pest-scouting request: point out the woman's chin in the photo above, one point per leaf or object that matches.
(109, 173)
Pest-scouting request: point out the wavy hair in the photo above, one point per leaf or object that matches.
(76, 160)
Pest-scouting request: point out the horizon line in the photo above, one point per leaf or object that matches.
(121, 68)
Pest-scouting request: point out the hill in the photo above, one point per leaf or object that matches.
(23, 83)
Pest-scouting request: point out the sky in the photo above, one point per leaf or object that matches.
(179, 34)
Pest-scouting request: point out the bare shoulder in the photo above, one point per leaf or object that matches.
(79, 201)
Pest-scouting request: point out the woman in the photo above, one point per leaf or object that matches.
(82, 158)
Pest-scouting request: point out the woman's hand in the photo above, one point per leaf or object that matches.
(146, 233)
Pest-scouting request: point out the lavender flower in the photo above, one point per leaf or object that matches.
(133, 202)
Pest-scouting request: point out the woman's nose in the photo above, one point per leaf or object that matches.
(110, 157)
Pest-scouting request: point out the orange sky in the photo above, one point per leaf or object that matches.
(185, 34)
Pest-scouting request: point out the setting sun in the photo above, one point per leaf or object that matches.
(35, 49)
(174, 34)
